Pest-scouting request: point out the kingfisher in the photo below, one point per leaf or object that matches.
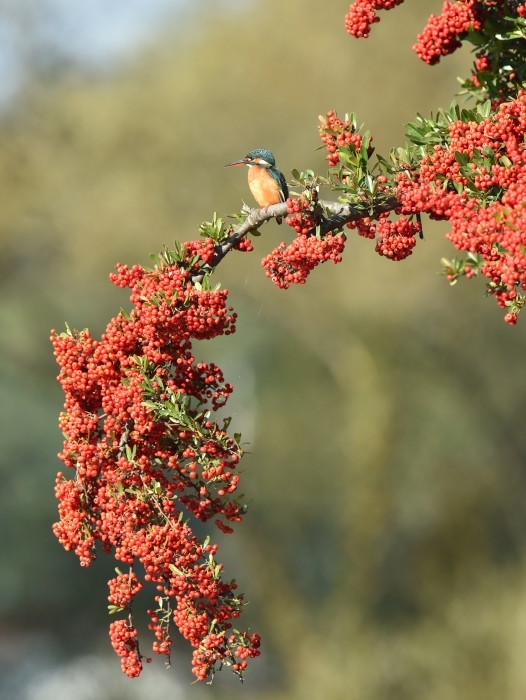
(266, 182)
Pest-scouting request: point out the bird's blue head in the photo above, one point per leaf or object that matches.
(261, 157)
(261, 154)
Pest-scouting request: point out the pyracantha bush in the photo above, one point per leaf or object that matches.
(144, 449)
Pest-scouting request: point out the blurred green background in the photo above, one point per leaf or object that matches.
(384, 552)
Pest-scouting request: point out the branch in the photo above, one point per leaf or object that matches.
(341, 214)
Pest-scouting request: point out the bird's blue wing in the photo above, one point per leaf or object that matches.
(280, 179)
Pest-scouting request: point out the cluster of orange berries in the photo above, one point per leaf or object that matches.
(485, 199)
(161, 629)
(292, 264)
(203, 248)
(441, 34)
(482, 64)
(124, 640)
(142, 446)
(301, 216)
(396, 239)
(123, 588)
(364, 227)
(362, 14)
(335, 133)
(244, 245)
(210, 651)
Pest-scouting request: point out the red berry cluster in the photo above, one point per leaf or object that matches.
(141, 442)
(396, 239)
(292, 264)
(482, 62)
(244, 245)
(203, 248)
(124, 640)
(364, 227)
(123, 588)
(482, 65)
(477, 181)
(335, 133)
(210, 651)
(441, 34)
(362, 14)
(302, 217)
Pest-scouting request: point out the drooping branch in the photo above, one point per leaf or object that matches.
(341, 214)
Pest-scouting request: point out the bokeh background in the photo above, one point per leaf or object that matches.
(384, 552)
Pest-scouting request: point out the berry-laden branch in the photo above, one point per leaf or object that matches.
(496, 28)
(141, 437)
(467, 166)
(342, 214)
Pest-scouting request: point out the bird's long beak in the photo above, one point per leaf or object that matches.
(237, 162)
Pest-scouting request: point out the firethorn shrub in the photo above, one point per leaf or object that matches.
(143, 447)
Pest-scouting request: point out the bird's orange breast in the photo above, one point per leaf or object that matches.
(263, 186)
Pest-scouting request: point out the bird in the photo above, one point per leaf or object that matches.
(266, 182)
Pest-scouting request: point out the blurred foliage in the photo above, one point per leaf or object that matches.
(384, 551)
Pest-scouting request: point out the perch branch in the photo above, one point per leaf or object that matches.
(341, 214)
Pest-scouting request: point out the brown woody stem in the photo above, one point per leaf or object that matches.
(341, 214)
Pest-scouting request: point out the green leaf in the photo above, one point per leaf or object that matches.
(454, 111)
(485, 109)
(475, 37)
(461, 158)
(175, 570)
(402, 154)
(366, 140)
(112, 609)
